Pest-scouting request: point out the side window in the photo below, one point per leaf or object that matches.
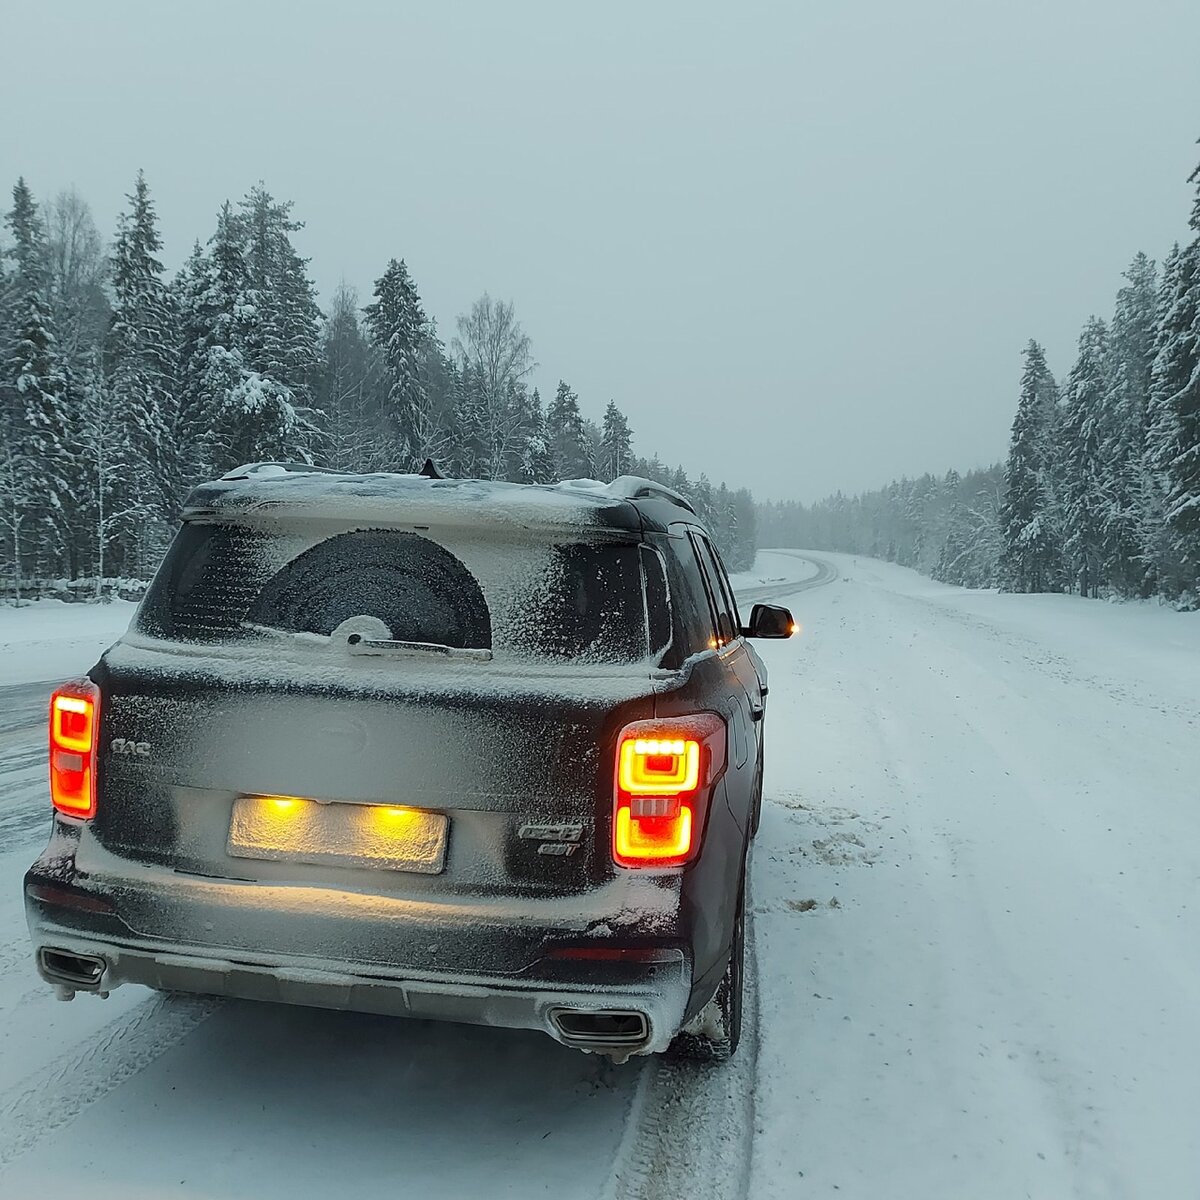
(694, 622)
(727, 629)
(658, 600)
(730, 598)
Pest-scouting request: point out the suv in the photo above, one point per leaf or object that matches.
(452, 749)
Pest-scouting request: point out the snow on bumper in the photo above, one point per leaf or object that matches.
(513, 964)
(658, 990)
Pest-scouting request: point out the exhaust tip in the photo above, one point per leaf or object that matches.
(74, 970)
(601, 1028)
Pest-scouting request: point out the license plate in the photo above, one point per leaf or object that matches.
(289, 829)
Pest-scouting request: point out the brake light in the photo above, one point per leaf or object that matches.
(74, 727)
(664, 771)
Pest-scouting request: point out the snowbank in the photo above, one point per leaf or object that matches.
(50, 640)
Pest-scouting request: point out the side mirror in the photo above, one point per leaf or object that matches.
(770, 621)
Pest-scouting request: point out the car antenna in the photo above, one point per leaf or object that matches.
(430, 471)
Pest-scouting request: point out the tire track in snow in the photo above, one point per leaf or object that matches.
(57, 1093)
(691, 1126)
(826, 573)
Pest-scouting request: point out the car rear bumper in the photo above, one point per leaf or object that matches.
(83, 943)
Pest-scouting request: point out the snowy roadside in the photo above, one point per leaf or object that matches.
(50, 640)
(975, 913)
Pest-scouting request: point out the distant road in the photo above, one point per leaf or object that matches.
(826, 573)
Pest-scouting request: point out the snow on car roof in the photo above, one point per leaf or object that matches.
(268, 490)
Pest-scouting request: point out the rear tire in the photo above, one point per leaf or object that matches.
(713, 1034)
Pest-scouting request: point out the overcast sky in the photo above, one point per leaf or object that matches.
(800, 244)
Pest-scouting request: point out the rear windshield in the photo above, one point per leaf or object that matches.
(593, 601)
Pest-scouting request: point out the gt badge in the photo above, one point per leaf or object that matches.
(560, 841)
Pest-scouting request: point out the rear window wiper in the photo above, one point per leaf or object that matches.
(357, 644)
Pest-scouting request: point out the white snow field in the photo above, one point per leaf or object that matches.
(48, 639)
(973, 919)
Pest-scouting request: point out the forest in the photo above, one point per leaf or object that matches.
(122, 386)
(1100, 493)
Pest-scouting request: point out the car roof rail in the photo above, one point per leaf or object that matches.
(266, 469)
(634, 487)
(624, 487)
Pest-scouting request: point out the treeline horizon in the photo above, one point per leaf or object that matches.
(121, 387)
(1100, 493)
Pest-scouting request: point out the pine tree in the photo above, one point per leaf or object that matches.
(1027, 516)
(397, 325)
(190, 434)
(537, 463)
(568, 444)
(1131, 357)
(1083, 460)
(346, 382)
(701, 496)
(282, 340)
(723, 522)
(248, 338)
(439, 381)
(468, 453)
(744, 549)
(34, 403)
(1173, 441)
(142, 358)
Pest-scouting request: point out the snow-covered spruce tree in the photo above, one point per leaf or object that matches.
(744, 547)
(249, 341)
(1083, 462)
(256, 417)
(216, 321)
(568, 444)
(348, 375)
(701, 496)
(1173, 439)
(537, 465)
(467, 453)
(438, 378)
(616, 444)
(16, 508)
(1131, 357)
(397, 326)
(282, 339)
(970, 554)
(34, 403)
(190, 434)
(723, 522)
(1161, 553)
(1027, 517)
(142, 362)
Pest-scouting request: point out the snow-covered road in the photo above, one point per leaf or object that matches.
(977, 910)
(974, 918)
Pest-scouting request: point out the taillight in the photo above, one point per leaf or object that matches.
(664, 770)
(74, 728)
